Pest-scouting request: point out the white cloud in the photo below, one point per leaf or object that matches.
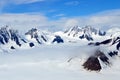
(59, 15)
(25, 1)
(27, 21)
(73, 3)
(18, 1)
(107, 18)
(52, 10)
(104, 20)
(3, 3)
(71, 22)
(114, 12)
(23, 21)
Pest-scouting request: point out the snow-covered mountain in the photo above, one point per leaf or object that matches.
(34, 35)
(42, 37)
(108, 50)
(86, 32)
(69, 60)
(10, 37)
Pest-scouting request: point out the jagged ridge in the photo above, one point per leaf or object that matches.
(7, 34)
(40, 37)
(84, 33)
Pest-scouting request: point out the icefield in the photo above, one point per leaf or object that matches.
(50, 62)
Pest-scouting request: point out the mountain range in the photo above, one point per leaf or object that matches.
(108, 44)
(37, 37)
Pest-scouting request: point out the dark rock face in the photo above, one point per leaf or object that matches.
(116, 40)
(99, 43)
(118, 46)
(58, 39)
(89, 38)
(24, 41)
(43, 38)
(14, 37)
(111, 54)
(12, 47)
(106, 41)
(31, 44)
(102, 57)
(1, 40)
(92, 64)
(102, 33)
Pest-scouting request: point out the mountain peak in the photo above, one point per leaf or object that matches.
(36, 35)
(8, 35)
(84, 33)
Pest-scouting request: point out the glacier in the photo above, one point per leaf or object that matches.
(53, 61)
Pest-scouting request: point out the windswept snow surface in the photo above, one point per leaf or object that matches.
(50, 62)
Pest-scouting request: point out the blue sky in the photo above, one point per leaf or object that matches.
(54, 9)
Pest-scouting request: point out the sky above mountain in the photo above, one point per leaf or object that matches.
(59, 13)
(58, 8)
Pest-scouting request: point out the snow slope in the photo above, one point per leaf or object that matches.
(50, 62)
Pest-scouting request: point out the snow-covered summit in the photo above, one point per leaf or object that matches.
(36, 35)
(86, 32)
(8, 35)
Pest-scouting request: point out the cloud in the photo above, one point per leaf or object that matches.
(23, 21)
(59, 15)
(52, 10)
(4, 3)
(114, 12)
(72, 3)
(71, 22)
(103, 20)
(25, 1)
(19, 1)
(26, 21)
